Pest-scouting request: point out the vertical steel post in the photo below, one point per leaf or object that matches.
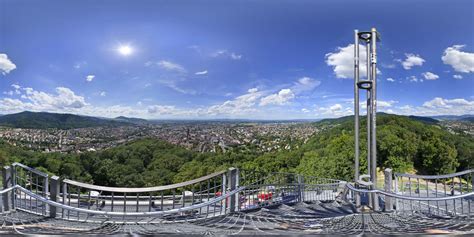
(388, 188)
(54, 195)
(300, 188)
(373, 66)
(369, 108)
(369, 118)
(356, 112)
(7, 176)
(233, 180)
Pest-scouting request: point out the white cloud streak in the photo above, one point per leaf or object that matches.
(201, 72)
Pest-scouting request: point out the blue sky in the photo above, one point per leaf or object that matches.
(232, 59)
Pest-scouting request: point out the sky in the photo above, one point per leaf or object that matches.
(286, 59)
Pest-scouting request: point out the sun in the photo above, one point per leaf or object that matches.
(125, 50)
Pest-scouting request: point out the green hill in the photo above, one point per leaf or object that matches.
(54, 120)
(131, 120)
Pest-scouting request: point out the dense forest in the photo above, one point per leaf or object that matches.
(404, 144)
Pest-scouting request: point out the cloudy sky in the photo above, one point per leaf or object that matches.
(231, 59)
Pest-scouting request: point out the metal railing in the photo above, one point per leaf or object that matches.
(221, 193)
(285, 188)
(449, 194)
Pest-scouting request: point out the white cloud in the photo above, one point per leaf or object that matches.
(280, 98)
(241, 105)
(15, 91)
(226, 53)
(459, 60)
(64, 100)
(252, 90)
(342, 61)
(201, 72)
(411, 61)
(430, 76)
(385, 104)
(336, 110)
(439, 102)
(174, 85)
(439, 106)
(305, 84)
(89, 78)
(6, 66)
(167, 65)
(457, 76)
(161, 109)
(381, 104)
(414, 79)
(390, 79)
(305, 110)
(103, 93)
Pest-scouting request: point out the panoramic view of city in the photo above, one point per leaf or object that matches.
(121, 117)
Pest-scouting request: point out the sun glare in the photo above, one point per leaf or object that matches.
(125, 50)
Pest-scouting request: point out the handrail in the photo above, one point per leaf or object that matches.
(106, 213)
(2, 191)
(30, 169)
(445, 176)
(141, 190)
(412, 198)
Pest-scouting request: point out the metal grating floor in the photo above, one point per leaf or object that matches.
(301, 218)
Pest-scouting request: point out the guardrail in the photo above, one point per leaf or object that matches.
(425, 187)
(218, 194)
(223, 192)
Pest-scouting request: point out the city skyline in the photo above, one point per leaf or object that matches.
(182, 60)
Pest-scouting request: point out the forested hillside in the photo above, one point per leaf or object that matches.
(404, 144)
(54, 120)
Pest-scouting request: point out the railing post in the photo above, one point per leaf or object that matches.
(224, 191)
(233, 183)
(53, 195)
(388, 188)
(301, 188)
(7, 176)
(13, 183)
(396, 191)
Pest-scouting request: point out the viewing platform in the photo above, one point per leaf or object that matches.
(237, 202)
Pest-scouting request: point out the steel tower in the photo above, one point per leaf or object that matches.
(368, 83)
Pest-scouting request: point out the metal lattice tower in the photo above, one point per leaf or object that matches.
(368, 39)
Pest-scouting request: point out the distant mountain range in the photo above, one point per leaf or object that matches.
(466, 117)
(425, 119)
(131, 120)
(29, 119)
(53, 120)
